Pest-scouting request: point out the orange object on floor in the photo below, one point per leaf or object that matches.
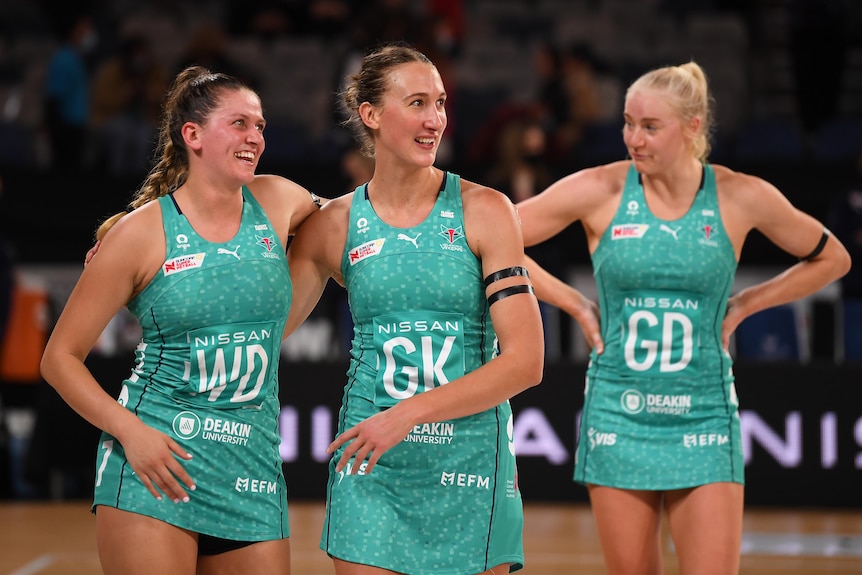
(22, 345)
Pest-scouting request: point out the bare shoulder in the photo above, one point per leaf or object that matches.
(744, 190)
(611, 175)
(271, 183)
(277, 192)
(732, 180)
(490, 221)
(605, 178)
(138, 228)
(476, 195)
(590, 187)
(139, 234)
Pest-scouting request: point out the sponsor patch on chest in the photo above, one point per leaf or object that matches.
(182, 263)
(628, 231)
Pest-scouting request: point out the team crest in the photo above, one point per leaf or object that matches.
(452, 234)
(267, 242)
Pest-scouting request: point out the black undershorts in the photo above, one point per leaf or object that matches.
(209, 545)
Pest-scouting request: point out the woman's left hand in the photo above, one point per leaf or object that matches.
(732, 318)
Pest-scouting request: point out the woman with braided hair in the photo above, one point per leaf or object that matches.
(200, 261)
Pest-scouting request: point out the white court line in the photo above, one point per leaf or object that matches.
(43, 561)
(34, 566)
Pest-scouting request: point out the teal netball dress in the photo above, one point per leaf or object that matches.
(446, 499)
(660, 409)
(207, 375)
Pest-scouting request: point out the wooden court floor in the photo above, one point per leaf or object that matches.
(559, 539)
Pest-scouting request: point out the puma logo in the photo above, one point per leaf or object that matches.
(407, 238)
(228, 252)
(670, 230)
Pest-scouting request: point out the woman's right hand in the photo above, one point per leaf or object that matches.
(153, 456)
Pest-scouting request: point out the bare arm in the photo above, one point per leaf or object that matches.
(556, 292)
(752, 203)
(287, 204)
(517, 324)
(590, 196)
(105, 286)
(314, 257)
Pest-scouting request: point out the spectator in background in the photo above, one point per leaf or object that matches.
(127, 94)
(327, 19)
(391, 21)
(66, 93)
(581, 84)
(568, 97)
(448, 29)
(552, 98)
(265, 19)
(522, 171)
(207, 47)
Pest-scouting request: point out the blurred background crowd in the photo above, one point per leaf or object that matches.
(532, 84)
(535, 91)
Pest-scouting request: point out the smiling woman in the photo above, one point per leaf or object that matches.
(199, 261)
(447, 330)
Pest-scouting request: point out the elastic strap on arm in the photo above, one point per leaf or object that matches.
(506, 273)
(820, 245)
(506, 292)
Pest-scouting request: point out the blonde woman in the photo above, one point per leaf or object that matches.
(660, 427)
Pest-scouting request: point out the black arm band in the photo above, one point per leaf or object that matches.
(820, 245)
(506, 292)
(506, 273)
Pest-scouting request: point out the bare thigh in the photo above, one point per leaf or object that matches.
(347, 568)
(628, 523)
(706, 526)
(134, 544)
(263, 558)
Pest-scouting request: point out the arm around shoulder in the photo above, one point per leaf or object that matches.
(287, 204)
(315, 256)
